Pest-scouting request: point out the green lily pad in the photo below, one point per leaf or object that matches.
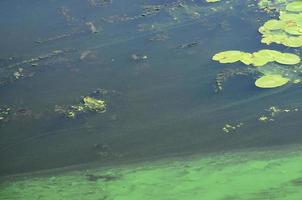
(271, 81)
(227, 56)
(295, 6)
(246, 58)
(293, 41)
(260, 59)
(273, 24)
(288, 59)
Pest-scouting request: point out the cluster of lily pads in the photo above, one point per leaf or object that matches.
(287, 30)
(259, 59)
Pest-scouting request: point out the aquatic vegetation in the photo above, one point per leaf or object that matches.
(272, 112)
(98, 3)
(295, 6)
(94, 104)
(188, 45)
(91, 103)
(212, 1)
(273, 5)
(225, 74)
(26, 68)
(5, 112)
(92, 27)
(229, 128)
(287, 30)
(139, 57)
(270, 81)
(258, 58)
(273, 173)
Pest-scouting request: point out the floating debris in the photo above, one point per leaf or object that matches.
(91, 103)
(159, 37)
(225, 74)
(92, 27)
(272, 112)
(151, 10)
(188, 45)
(212, 1)
(65, 12)
(98, 3)
(59, 37)
(138, 57)
(5, 112)
(27, 68)
(229, 128)
(18, 74)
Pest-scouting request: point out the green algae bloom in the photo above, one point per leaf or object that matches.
(271, 81)
(257, 174)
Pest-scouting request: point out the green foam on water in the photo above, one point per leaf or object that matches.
(273, 174)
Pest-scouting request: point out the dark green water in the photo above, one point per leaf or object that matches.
(160, 106)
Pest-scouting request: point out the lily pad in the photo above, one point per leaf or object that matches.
(271, 81)
(273, 24)
(288, 59)
(295, 6)
(227, 56)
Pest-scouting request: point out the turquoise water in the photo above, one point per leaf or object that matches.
(160, 106)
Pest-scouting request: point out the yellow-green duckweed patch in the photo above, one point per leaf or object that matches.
(267, 174)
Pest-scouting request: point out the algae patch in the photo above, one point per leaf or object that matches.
(92, 103)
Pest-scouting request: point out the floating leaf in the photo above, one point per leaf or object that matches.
(295, 6)
(271, 81)
(273, 24)
(288, 59)
(259, 58)
(227, 56)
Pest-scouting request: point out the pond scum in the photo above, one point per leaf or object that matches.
(262, 174)
(273, 174)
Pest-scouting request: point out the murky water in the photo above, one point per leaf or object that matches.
(154, 64)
